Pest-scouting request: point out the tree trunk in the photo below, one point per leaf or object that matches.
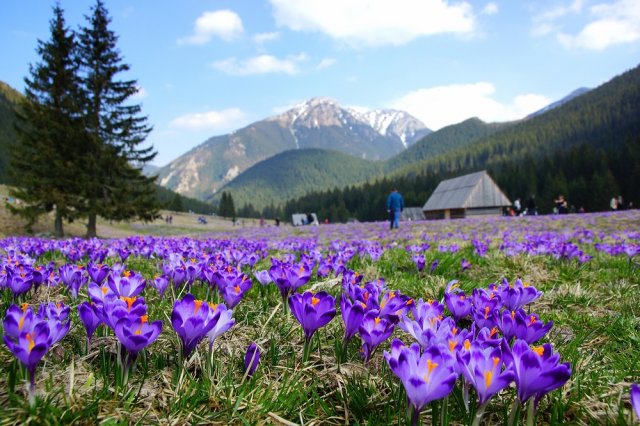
(57, 224)
(91, 226)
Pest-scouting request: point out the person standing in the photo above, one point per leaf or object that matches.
(395, 205)
(531, 206)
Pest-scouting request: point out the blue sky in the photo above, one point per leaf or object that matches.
(208, 67)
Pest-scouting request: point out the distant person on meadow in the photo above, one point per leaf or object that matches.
(531, 206)
(395, 205)
(517, 206)
(562, 207)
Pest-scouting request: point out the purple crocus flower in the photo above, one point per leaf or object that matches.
(89, 317)
(98, 272)
(223, 321)
(373, 331)
(18, 320)
(484, 369)
(233, 291)
(312, 310)
(130, 284)
(160, 282)
(135, 333)
(419, 260)
(263, 277)
(352, 315)
(55, 314)
(116, 309)
(434, 265)
(29, 348)
(191, 319)
(457, 301)
(465, 264)
(73, 277)
(634, 393)
(517, 295)
(289, 277)
(251, 359)
(30, 335)
(521, 325)
(537, 370)
(19, 282)
(426, 377)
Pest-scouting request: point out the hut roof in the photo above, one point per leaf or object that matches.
(475, 190)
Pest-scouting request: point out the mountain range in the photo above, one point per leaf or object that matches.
(318, 123)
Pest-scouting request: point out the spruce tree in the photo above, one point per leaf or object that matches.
(115, 187)
(49, 148)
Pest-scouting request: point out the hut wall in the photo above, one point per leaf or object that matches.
(485, 211)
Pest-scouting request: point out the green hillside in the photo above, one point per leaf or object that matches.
(444, 140)
(9, 100)
(296, 172)
(603, 118)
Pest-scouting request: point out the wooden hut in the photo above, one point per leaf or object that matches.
(411, 214)
(475, 194)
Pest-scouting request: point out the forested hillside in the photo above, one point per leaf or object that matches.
(9, 99)
(444, 140)
(297, 172)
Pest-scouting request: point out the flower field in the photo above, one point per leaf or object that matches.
(530, 320)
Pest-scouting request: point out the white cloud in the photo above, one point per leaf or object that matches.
(325, 63)
(262, 38)
(546, 22)
(211, 120)
(375, 22)
(261, 64)
(490, 9)
(225, 24)
(612, 24)
(444, 105)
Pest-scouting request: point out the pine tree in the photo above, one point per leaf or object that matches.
(50, 142)
(114, 185)
(176, 203)
(226, 207)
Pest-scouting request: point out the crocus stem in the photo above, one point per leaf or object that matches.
(444, 412)
(343, 353)
(478, 416)
(515, 407)
(531, 412)
(415, 417)
(307, 349)
(31, 389)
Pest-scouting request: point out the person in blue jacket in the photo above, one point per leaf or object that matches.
(395, 205)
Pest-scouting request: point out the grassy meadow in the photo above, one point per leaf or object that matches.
(593, 300)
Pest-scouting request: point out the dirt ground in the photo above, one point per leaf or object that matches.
(182, 224)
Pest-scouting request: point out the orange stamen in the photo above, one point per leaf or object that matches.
(488, 377)
(314, 301)
(31, 342)
(196, 305)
